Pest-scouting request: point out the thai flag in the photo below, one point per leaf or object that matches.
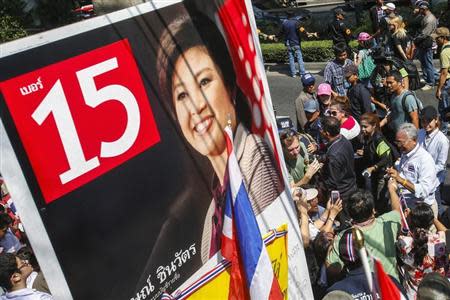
(251, 270)
(388, 290)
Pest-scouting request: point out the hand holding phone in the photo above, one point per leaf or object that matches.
(335, 196)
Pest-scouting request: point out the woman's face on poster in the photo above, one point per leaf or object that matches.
(202, 101)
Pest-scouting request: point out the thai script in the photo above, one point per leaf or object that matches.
(31, 88)
(164, 272)
(181, 257)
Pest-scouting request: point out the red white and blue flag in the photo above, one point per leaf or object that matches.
(251, 270)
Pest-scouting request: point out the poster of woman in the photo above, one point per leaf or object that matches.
(147, 215)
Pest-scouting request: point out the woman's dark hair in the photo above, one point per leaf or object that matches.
(321, 244)
(360, 206)
(25, 253)
(420, 245)
(421, 216)
(372, 119)
(366, 44)
(187, 32)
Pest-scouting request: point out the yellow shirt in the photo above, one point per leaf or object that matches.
(445, 58)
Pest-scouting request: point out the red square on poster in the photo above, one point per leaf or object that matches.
(81, 117)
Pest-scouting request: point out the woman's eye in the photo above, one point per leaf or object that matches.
(204, 81)
(181, 96)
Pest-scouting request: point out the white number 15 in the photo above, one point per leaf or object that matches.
(55, 103)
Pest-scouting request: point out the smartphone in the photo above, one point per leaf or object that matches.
(335, 196)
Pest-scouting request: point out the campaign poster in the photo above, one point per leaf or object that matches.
(113, 148)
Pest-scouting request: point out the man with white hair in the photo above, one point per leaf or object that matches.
(415, 172)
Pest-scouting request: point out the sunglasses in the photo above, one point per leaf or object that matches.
(333, 113)
(287, 133)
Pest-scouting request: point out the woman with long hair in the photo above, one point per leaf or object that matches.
(400, 41)
(197, 79)
(376, 157)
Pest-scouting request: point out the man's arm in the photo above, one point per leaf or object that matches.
(414, 115)
(413, 109)
(442, 79)
(393, 196)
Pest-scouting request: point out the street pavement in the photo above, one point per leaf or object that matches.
(285, 89)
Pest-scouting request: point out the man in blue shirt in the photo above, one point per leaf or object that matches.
(291, 28)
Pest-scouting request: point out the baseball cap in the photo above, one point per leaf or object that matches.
(388, 6)
(311, 106)
(324, 89)
(428, 113)
(364, 36)
(308, 79)
(441, 31)
(350, 70)
(310, 194)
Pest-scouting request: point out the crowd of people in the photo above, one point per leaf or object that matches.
(20, 274)
(367, 154)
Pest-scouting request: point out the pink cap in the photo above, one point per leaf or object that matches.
(364, 36)
(324, 89)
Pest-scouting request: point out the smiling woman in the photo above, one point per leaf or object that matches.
(197, 79)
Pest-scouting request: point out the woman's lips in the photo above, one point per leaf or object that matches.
(203, 126)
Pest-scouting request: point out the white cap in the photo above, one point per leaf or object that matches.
(388, 6)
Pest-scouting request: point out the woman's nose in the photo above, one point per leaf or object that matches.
(198, 103)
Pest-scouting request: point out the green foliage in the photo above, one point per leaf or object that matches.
(12, 20)
(313, 51)
(366, 24)
(10, 29)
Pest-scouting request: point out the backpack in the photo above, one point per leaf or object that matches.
(411, 69)
(418, 103)
(394, 152)
(366, 67)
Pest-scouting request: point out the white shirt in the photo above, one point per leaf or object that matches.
(26, 294)
(417, 166)
(437, 144)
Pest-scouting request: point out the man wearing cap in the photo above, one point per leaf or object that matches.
(334, 70)
(313, 125)
(441, 36)
(437, 144)
(308, 92)
(337, 29)
(424, 45)
(358, 94)
(290, 28)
